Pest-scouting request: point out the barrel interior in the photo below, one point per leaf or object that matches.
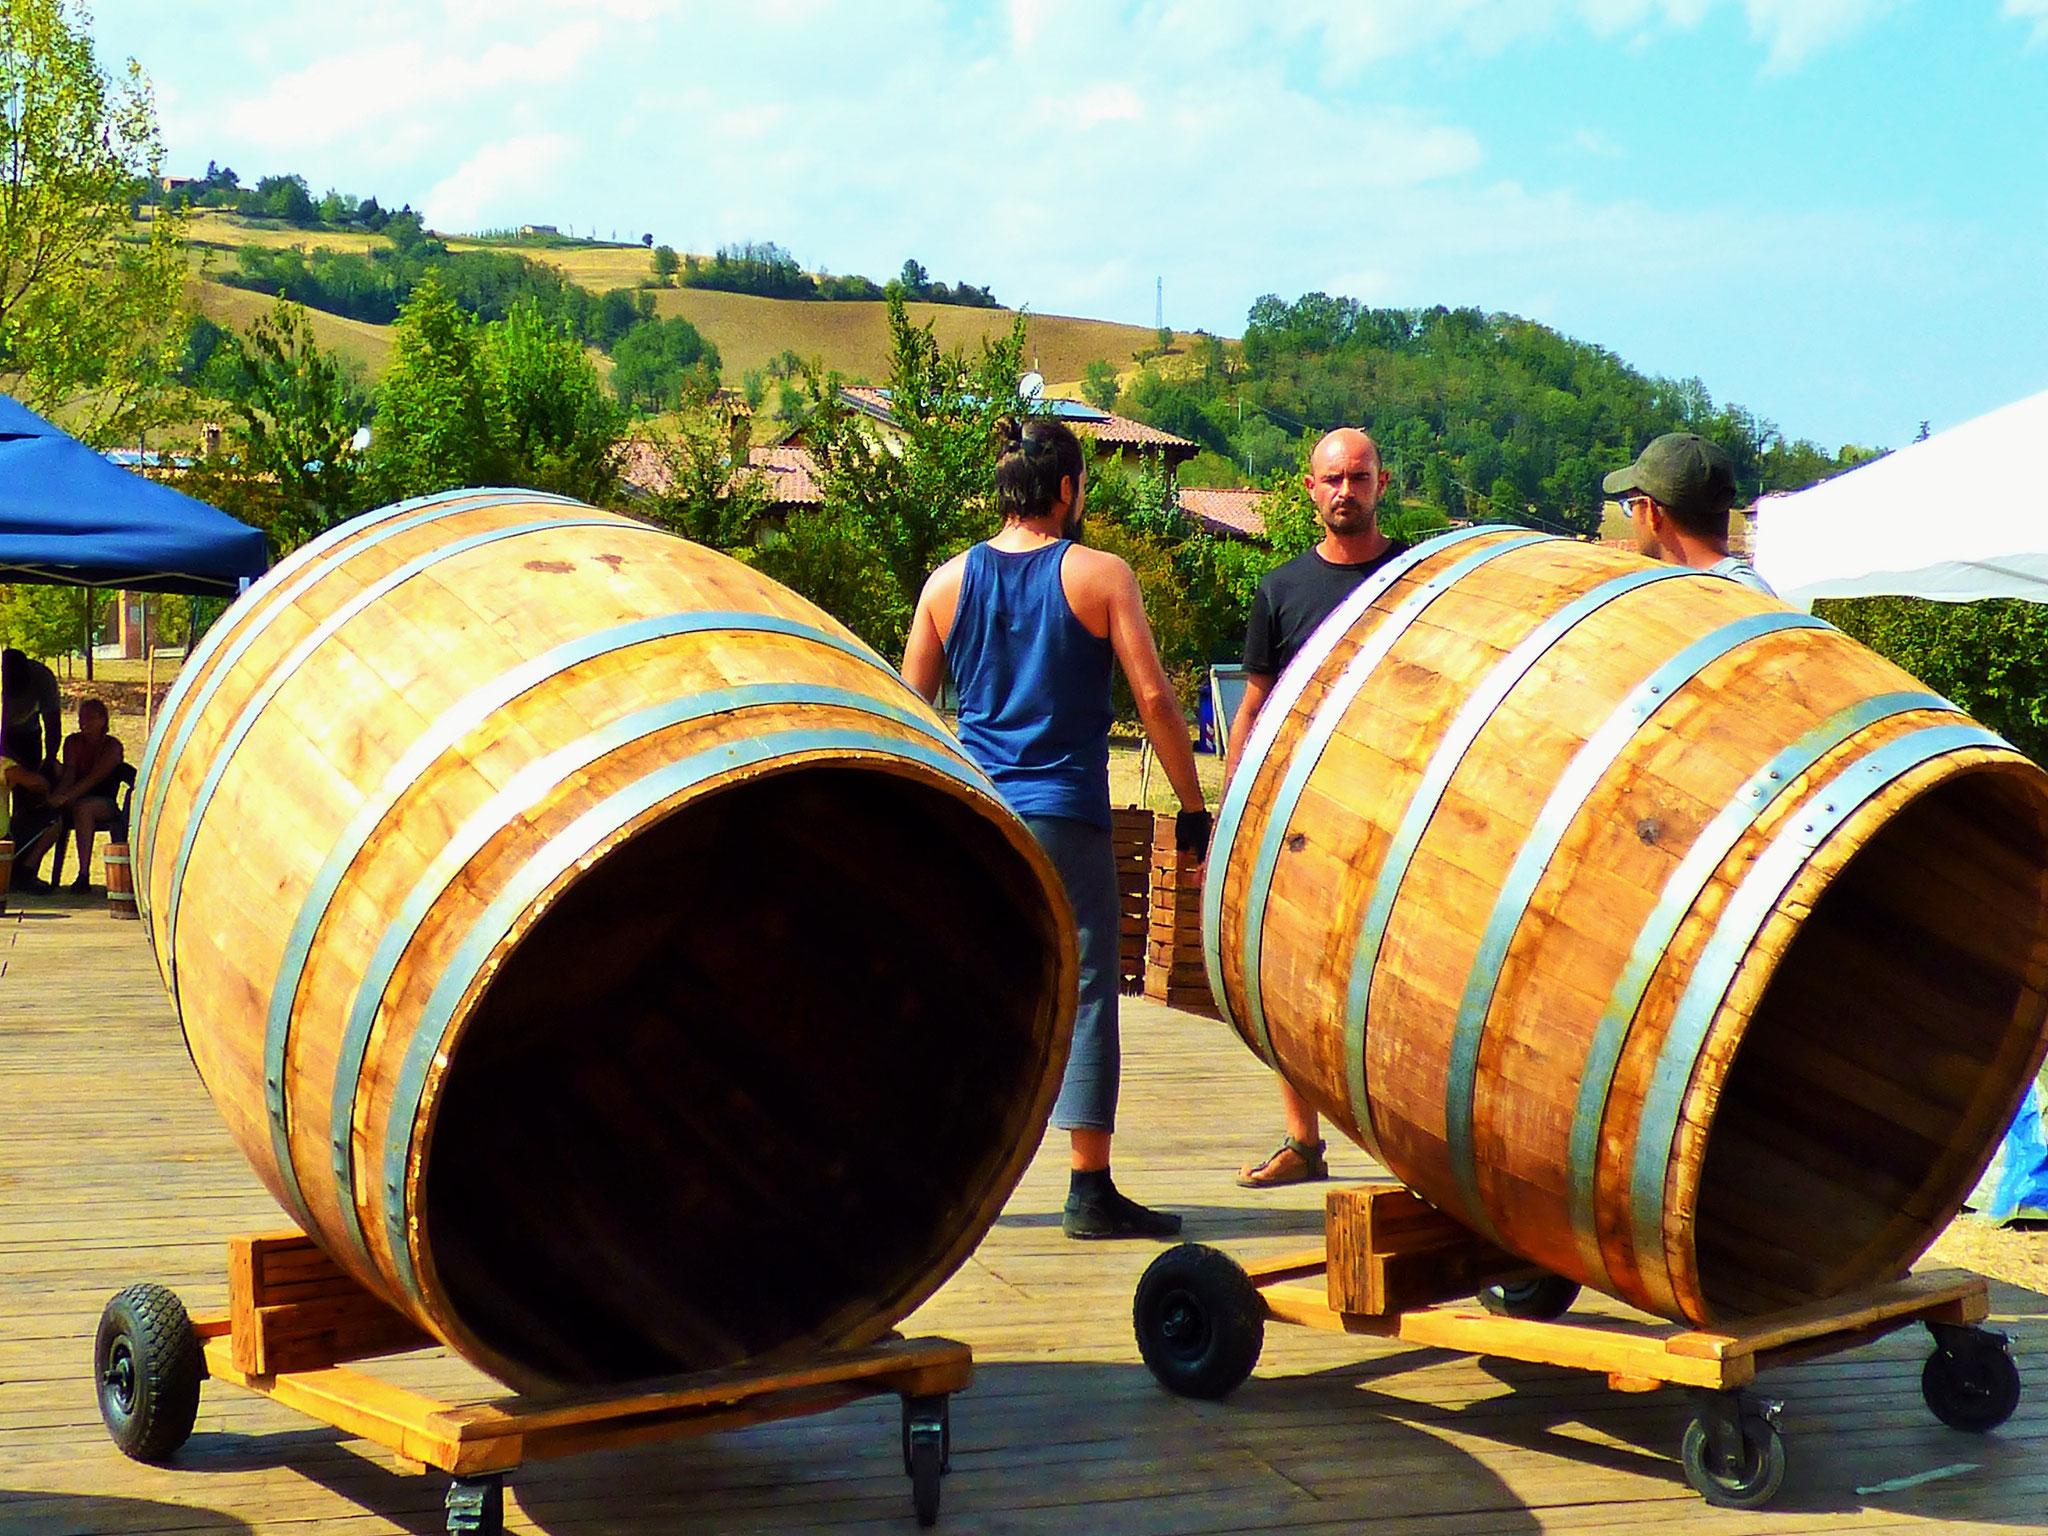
(747, 1082)
(1891, 1043)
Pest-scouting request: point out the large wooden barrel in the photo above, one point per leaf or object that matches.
(1654, 929)
(597, 948)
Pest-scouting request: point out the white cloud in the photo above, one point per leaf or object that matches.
(485, 182)
(2034, 12)
(1797, 29)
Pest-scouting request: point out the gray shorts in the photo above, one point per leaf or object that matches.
(1081, 853)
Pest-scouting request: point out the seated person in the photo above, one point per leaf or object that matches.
(82, 797)
(31, 785)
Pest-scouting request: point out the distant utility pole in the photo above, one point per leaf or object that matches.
(1159, 304)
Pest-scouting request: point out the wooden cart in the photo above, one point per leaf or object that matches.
(294, 1318)
(1391, 1264)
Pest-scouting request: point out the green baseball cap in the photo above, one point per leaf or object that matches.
(1684, 471)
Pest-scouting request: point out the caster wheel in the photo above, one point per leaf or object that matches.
(1199, 1320)
(1541, 1300)
(921, 1413)
(476, 1506)
(148, 1365)
(1971, 1385)
(1750, 1485)
(927, 1465)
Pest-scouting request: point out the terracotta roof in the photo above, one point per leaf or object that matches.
(791, 472)
(789, 469)
(641, 468)
(1228, 513)
(1106, 427)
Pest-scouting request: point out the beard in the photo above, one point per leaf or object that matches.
(1347, 517)
(1071, 528)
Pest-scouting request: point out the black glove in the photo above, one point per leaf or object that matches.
(1191, 833)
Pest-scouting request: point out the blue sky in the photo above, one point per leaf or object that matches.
(1832, 211)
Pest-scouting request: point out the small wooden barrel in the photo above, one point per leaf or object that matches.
(1657, 931)
(597, 948)
(120, 884)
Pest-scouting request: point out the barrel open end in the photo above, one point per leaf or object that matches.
(757, 1079)
(1892, 1044)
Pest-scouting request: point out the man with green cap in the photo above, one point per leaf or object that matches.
(1677, 496)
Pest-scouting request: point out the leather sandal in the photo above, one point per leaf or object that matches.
(1296, 1162)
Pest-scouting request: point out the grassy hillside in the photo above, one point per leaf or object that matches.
(850, 337)
(369, 345)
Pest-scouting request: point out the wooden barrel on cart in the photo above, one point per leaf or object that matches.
(1653, 929)
(597, 948)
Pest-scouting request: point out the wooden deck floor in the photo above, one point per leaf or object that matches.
(114, 1168)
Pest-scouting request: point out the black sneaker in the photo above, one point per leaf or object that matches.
(1114, 1214)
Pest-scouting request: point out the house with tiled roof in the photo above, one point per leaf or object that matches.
(1228, 513)
(1120, 435)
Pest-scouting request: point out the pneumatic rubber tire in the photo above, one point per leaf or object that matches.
(1542, 1300)
(147, 1366)
(1199, 1320)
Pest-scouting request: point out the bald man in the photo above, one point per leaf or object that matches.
(1345, 481)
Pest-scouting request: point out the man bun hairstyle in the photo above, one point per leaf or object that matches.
(1034, 455)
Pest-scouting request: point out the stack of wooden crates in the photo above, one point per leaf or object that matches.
(1174, 972)
(1159, 912)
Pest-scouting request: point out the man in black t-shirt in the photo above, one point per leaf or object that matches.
(1345, 481)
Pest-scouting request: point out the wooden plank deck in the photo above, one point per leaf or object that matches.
(114, 1168)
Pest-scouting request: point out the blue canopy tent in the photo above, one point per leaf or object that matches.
(70, 518)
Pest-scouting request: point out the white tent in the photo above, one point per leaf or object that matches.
(1960, 516)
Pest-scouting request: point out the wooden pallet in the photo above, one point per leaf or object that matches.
(1392, 1266)
(295, 1319)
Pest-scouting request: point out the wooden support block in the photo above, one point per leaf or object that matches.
(1390, 1250)
(291, 1308)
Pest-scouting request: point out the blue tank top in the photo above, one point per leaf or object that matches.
(1033, 685)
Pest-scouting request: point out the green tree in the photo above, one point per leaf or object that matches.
(665, 263)
(1098, 384)
(1989, 657)
(299, 410)
(659, 362)
(88, 311)
(828, 557)
(437, 422)
(48, 621)
(922, 491)
(557, 429)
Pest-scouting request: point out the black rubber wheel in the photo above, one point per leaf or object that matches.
(1541, 1300)
(1750, 1486)
(927, 1465)
(148, 1366)
(1975, 1388)
(1199, 1320)
(942, 1405)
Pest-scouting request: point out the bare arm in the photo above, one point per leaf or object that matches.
(1130, 635)
(1258, 687)
(924, 654)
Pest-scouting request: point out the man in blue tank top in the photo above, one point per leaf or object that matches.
(1027, 624)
